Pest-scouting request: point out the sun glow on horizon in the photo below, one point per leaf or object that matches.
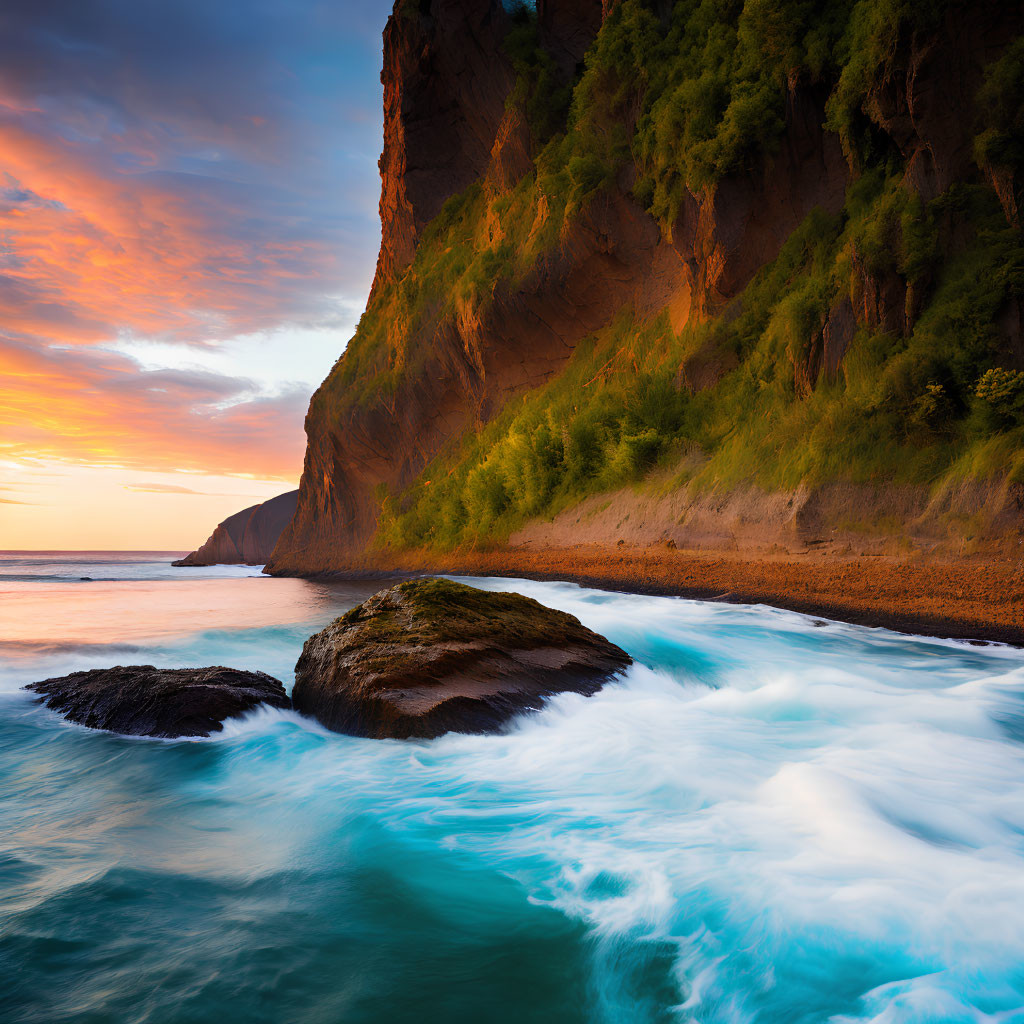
(55, 506)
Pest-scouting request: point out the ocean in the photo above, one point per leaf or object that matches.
(769, 818)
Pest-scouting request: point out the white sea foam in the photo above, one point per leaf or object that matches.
(863, 798)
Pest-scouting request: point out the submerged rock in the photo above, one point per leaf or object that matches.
(140, 700)
(432, 656)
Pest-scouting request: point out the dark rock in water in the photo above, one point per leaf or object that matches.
(140, 700)
(432, 656)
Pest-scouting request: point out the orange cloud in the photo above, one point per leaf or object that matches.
(90, 252)
(176, 489)
(99, 408)
(87, 256)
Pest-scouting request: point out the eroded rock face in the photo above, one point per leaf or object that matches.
(879, 299)
(446, 79)
(141, 700)
(248, 537)
(432, 656)
(725, 235)
(474, 359)
(925, 104)
(567, 28)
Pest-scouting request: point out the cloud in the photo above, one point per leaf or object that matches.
(177, 489)
(187, 170)
(179, 257)
(163, 489)
(185, 173)
(96, 407)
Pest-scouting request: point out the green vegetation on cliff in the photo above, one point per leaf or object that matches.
(904, 409)
(925, 386)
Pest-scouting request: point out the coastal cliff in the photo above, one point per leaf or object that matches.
(248, 537)
(747, 280)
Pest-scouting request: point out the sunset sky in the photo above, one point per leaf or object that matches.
(188, 230)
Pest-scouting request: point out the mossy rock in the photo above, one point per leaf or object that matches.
(433, 656)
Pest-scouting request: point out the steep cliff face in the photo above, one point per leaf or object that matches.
(727, 232)
(925, 99)
(567, 29)
(248, 537)
(726, 250)
(446, 79)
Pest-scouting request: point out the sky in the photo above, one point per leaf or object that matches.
(188, 232)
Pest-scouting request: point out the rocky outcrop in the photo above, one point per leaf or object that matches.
(822, 357)
(879, 298)
(248, 537)
(446, 80)
(432, 656)
(512, 152)
(836, 337)
(925, 102)
(1008, 188)
(140, 700)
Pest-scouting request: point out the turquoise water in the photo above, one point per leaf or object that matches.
(769, 819)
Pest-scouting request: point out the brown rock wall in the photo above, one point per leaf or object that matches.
(446, 79)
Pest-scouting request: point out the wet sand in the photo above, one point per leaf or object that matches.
(964, 598)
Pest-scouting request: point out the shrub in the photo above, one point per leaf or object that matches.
(1001, 105)
(932, 409)
(1002, 394)
(587, 173)
(631, 454)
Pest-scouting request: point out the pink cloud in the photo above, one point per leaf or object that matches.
(96, 407)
